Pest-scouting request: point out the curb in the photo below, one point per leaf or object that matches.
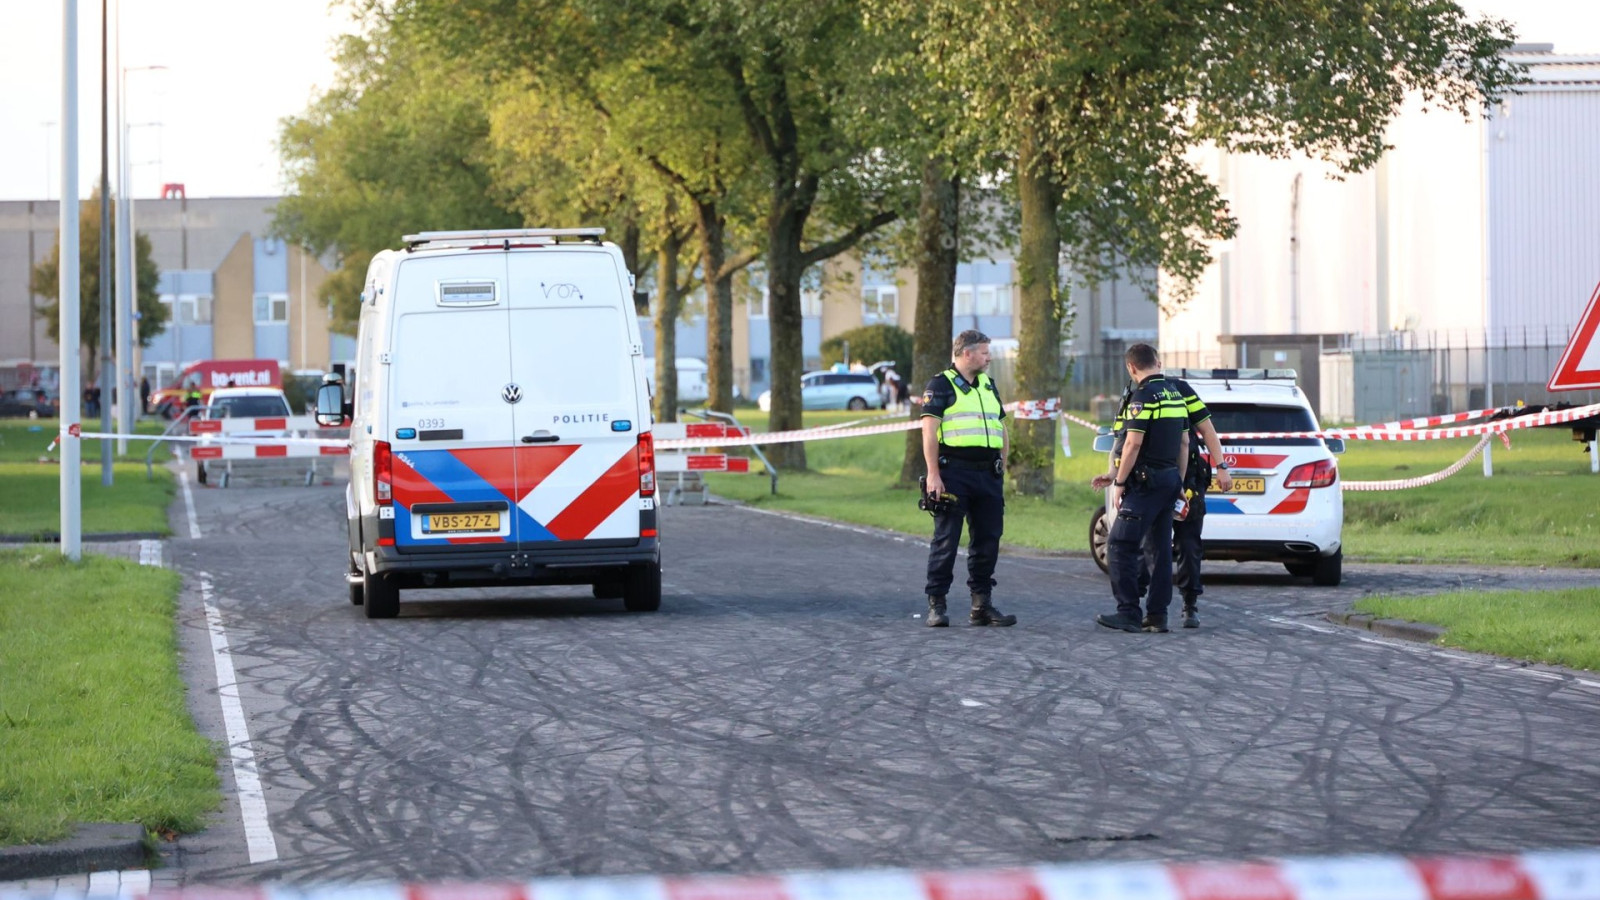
(102, 537)
(1395, 628)
(92, 848)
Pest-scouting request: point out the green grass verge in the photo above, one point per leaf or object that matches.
(1537, 509)
(30, 505)
(93, 726)
(1558, 627)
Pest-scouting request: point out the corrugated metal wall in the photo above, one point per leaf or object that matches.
(1544, 208)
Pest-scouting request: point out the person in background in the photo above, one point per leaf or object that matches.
(144, 394)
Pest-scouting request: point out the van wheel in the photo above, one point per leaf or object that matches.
(608, 590)
(858, 404)
(357, 595)
(382, 597)
(642, 591)
(1100, 539)
(1300, 569)
(1329, 570)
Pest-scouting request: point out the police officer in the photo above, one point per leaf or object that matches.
(1144, 486)
(1186, 532)
(964, 444)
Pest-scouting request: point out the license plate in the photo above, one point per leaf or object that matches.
(459, 523)
(1242, 486)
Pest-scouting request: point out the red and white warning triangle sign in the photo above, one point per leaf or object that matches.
(1579, 368)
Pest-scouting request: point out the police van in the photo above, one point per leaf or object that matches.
(500, 420)
(1286, 505)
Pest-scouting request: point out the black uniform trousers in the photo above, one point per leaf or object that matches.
(1145, 516)
(981, 504)
(1185, 553)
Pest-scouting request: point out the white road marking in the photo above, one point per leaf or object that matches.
(252, 802)
(966, 702)
(188, 504)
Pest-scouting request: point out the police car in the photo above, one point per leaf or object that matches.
(1286, 505)
(500, 431)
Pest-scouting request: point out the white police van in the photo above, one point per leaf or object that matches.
(500, 420)
(1286, 505)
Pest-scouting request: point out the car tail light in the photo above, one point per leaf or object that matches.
(382, 473)
(1321, 473)
(647, 464)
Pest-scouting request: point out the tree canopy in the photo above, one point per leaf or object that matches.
(151, 314)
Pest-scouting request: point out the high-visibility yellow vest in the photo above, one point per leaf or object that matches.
(974, 419)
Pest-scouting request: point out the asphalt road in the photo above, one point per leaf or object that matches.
(786, 709)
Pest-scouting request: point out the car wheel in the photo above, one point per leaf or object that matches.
(608, 590)
(856, 403)
(382, 597)
(642, 591)
(1329, 570)
(1300, 569)
(1100, 539)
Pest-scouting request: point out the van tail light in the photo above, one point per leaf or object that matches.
(1321, 473)
(382, 473)
(647, 464)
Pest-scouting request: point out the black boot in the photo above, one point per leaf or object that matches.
(984, 613)
(1157, 624)
(1191, 618)
(936, 613)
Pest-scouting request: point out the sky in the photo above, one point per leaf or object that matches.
(235, 69)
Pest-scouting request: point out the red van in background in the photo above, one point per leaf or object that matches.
(209, 374)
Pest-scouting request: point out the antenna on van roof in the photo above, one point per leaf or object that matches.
(503, 236)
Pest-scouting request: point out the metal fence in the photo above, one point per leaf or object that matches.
(1361, 379)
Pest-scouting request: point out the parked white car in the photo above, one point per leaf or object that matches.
(1286, 505)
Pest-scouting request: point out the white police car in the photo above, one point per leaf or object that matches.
(1286, 504)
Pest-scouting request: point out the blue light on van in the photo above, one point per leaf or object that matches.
(622, 425)
(405, 434)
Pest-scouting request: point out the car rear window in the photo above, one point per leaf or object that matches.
(249, 407)
(1231, 418)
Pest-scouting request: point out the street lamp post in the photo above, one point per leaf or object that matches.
(127, 262)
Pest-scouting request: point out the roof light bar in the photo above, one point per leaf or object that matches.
(1237, 374)
(499, 235)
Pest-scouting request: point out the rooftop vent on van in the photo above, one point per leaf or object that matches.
(503, 237)
(466, 293)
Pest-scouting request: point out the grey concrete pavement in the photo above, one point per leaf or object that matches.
(787, 709)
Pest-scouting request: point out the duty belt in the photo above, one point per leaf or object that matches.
(954, 462)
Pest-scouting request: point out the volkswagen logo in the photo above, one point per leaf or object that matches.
(511, 393)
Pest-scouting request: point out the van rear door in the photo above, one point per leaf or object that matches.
(450, 424)
(579, 417)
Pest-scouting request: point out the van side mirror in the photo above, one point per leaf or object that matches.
(1104, 440)
(1335, 445)
(330, 405)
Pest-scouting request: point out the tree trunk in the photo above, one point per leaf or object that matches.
(1039, 348)
(938, 221)
(787, 360)
(713, 229)
(668, 305)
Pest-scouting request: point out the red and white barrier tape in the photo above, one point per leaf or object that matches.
(76, 431)
(1551, 875)
(1401, 484)
(790, 437)
(1431, 421)
(1035, 409)
(1548, 417)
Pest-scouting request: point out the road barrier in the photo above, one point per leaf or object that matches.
(1551, 875)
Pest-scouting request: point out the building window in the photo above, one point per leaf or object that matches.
(994, 300)
(810, 303)
(964, 300)
(272, 308)
(188, 309)
(880, 304)
(758, 306)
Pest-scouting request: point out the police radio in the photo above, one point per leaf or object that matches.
(933, 505)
